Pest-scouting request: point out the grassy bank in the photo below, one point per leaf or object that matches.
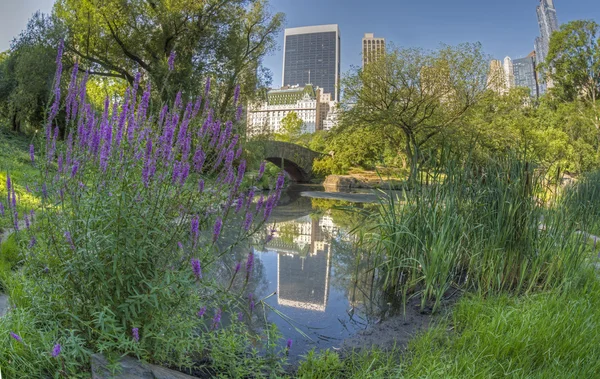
(547, 335)
(15, 159)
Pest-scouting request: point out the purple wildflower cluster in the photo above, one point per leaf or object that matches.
(159, 155)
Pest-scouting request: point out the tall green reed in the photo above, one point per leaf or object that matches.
(477, 227)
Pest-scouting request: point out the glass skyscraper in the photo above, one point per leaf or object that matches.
(548, 23)
(312, 56)
(525, 75)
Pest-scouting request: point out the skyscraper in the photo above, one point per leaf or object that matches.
(548, 23)
(312, 56)
(509, 76)
(496, 77)
(372, 48)
(525, 74)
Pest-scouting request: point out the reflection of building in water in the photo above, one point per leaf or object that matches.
(303, 262)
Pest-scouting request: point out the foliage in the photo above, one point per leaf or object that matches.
(26, 76)
(476, 227)
(373, 363)
(582, 200)
(540, 336)
(291, 128)
(14, 158)
(411, 95)
(32, 358)
(222, 39)
(573, 62)
(133, 207)
(547, 335)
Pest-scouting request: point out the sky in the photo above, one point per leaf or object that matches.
(504, 27)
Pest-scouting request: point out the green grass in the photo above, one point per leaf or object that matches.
(546, 335)
(15, 160)
(478, 229)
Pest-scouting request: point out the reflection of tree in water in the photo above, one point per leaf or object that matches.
(288, 231)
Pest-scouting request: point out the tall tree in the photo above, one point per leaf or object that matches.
(225, 39)
(291, 127)
(26, 74)
(411, 95)
(573, 65)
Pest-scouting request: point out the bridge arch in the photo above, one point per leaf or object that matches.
(295, 172)
(296, 160)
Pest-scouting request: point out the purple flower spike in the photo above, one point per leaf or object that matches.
(217, 318)
(248, 221)
(280, 182)
(201, 312)
(16, 337)
(196, 268)
(56, 350)
(172, 60)
(32, 153)
(250, 263)
(135, 332)
(236, 95)
(32, 242)
(201, 186)
(69, 239)
(238, 112)
(74, 169)
(8, 188)
(261, 171)
(240, 316)
(240, 203)
(217, 228)
(237, 267)
(1, 209)
(289, 344)
(194, 226)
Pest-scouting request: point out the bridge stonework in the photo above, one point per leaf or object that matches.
(296, 160)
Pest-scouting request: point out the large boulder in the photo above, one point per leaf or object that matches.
(131, 368)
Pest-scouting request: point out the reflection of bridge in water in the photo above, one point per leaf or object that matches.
(304, 255)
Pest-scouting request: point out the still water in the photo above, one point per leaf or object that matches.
(316, 283)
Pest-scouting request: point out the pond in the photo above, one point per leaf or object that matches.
(317, 284)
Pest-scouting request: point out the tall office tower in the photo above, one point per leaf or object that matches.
(509, 76)
(548, 23)
(311, 55)
(525, 74)
(496, 77)
(372, 48)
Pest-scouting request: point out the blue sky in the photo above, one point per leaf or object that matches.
(505, 27)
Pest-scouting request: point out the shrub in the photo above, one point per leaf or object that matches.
(134, 205)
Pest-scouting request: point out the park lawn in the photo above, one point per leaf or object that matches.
(554, 334)
(15, 160)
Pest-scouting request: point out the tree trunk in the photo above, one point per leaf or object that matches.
(16, 125)
(412, 158)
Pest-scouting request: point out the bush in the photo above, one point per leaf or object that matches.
(133, 208)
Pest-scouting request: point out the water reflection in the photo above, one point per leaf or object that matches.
(311, 266)
(303, 263)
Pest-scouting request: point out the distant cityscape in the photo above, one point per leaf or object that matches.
(311, 74)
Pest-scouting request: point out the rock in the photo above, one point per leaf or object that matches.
(132, 368)
(343, 181)
(3, 304)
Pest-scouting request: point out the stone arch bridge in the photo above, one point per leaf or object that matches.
(296, 160)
